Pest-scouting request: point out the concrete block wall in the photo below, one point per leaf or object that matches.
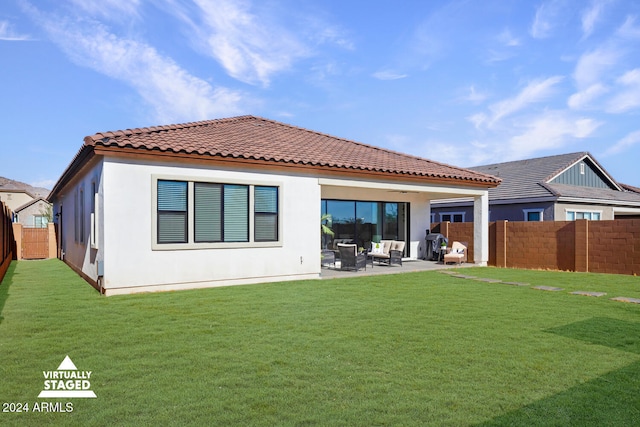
(595, 246)
(614, 246)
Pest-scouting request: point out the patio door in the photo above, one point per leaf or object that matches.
(363, 222)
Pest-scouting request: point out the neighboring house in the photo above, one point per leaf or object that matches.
(555, 188)
(14, 198)
(237, 201)
(35, 213)
(28, 210)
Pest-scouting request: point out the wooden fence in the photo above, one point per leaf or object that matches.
(35, 243)
(7, 242)
(582, 245)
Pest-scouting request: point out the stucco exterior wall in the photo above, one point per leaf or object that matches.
(606, 212)
(14, 199)
(75, 244)
(131, 264)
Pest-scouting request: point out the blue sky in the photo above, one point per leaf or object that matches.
(461, 82)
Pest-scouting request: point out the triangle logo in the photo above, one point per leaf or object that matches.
(66, 382)
(67, 365)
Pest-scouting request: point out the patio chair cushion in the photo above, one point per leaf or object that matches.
(457, 253)
(348, 245)
(377, 248)
(397, 246)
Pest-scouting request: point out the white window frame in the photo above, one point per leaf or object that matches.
(191, 244)
(582, 211)
(452, 214)
(526, 213)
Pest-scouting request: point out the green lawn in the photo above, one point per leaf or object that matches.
(411, 349)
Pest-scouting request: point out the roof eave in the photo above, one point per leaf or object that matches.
(229, 161)
(83, 156)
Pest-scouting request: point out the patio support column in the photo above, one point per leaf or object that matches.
(481, 229)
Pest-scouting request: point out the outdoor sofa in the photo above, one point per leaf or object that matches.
(387, 252)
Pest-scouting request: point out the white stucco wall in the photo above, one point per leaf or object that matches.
(131, 264)
(79, 252)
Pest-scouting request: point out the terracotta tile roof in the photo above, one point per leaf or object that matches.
(259, 139)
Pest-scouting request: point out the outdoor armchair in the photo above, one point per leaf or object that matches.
(457, 253)
(350, 258)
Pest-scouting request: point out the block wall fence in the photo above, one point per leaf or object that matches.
(582, 245)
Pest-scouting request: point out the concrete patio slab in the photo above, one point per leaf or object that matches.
(625, 299)
(516, 283)
(589, 294)
(548, 288)
(408, 266)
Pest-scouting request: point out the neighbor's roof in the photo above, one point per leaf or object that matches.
(264, 142)
(31, 202)
(530, 179)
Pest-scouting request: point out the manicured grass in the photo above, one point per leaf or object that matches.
(412, 349)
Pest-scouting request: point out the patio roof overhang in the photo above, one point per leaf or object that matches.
(431, 191)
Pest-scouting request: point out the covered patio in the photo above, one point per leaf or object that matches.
(408, 266)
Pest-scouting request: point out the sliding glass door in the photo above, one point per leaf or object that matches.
(363, 222)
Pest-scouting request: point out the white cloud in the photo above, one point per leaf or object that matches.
(388, 75)
(625, 143)
(475, 96)
(8, 34)
(113, 9)
(508, 39)
(552, 129)
(591, 15)
(544, 20)
(250, 43)
(535, 91)
(628, 97)
(173, 93)
(593, 65)
(583, 99)
(629, 30)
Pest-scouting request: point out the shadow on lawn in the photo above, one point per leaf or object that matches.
(619, 334)
(4, 287)
(611, 399)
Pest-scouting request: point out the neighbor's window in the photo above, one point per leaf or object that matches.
(573, 215)
(40, 221)
(533, 214)
(172, 211)
(452, 217)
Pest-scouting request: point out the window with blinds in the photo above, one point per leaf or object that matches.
(172, 211)
(221, 212)
(266, 214)
(218, 213)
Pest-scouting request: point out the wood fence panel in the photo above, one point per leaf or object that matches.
(35, 243)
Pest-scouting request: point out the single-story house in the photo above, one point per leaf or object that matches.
(564, 187)
(238, 201)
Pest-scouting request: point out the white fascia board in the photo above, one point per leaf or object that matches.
(443, 191)
(628, 211)
(597, 201)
